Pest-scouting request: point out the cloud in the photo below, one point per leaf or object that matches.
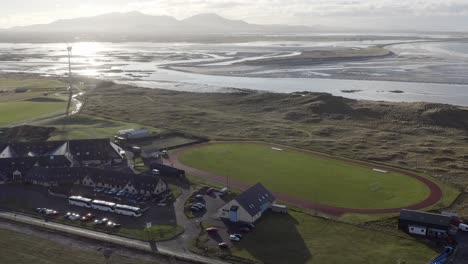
(331, 12)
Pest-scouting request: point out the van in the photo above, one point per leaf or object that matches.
(463, 227)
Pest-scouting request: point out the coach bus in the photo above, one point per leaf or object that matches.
(128, 210)
(80, 201)
(103, 206)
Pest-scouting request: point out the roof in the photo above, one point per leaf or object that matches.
(425, 217)
(254, 198)
(7, 153)
(60, 151)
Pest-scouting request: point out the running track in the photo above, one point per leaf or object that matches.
(434, 197)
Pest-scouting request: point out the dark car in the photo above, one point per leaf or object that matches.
(223, 245)
(244, 229)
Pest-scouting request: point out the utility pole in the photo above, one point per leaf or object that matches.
(69, 49)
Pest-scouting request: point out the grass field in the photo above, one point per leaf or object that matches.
(314, 240)
(25, 249)
(87, 127)
(313, 178)
(20, 111)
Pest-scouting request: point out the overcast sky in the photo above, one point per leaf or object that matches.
(389, 14)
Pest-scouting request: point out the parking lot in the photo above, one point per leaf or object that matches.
(462, 251)
(223, 229)
(28, 198)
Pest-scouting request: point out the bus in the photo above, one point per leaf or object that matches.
(103, 206)
(128, 210)
(80, 201)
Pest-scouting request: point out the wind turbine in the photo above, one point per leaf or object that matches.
(70, 85)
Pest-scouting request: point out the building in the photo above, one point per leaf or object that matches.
(426, 224)
(134, 133)
(249, 206)
(20, 157)
(95, 177)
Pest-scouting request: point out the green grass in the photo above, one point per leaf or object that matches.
(315, 240)
(19, 248)
(30, 83)
(21, 111)
(155, 233)
(313, 178)
(88, 127)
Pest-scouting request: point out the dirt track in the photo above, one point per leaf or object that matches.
(434, 197)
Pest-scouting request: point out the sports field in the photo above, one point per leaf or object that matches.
(310, 177)
(21, 111)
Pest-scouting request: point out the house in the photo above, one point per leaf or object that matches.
(249, 206)
(23, 156)
(94, 177)
(426, 224)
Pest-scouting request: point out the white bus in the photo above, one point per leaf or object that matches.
(128, 210)
(80, 201)
(103, 206)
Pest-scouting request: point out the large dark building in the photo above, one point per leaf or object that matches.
(426, 224)
(20, 157)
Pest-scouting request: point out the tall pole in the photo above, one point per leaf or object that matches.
(69, 49)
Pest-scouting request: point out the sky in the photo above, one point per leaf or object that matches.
(434, 15)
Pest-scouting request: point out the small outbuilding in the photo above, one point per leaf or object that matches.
(248, 206)
(426, 224)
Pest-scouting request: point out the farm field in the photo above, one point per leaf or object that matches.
(21, 111)
(317, 179)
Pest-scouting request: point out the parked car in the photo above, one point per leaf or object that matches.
(237, 235)
(248, 225)
(199, 196)
(212, 230)
(155, 171)
(195, 209)
(51, 212)
(234, 238)
(244, 229)
(200, 205)
(223, 245)
(113, 191)
(87, 217)
(121, 193)
(98, 190)
(102, 221)
(210, 190)
(72, 216)
(463, 227)
(41, 210)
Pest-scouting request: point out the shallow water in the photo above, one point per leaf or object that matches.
(147, 64)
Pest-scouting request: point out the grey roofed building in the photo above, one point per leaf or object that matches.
(8, 153)
(94, 177)
(255, 198)
(425, 217)
(249, 206)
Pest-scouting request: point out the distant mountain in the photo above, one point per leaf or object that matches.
(139, 23)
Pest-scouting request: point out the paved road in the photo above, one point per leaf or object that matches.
(126, 242)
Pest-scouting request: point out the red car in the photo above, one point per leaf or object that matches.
(87, 217)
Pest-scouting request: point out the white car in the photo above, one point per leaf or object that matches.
(463, 227)
(74, 216)
(234, 238)
(199, 205)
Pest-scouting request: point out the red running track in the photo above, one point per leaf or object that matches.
(434, 197)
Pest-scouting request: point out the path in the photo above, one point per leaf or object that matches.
(434, 197)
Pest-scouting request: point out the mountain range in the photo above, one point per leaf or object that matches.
(133, 23)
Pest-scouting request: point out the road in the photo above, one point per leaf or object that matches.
(126, 242)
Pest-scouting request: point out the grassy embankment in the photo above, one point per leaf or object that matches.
(313, 178)
(25, 249)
